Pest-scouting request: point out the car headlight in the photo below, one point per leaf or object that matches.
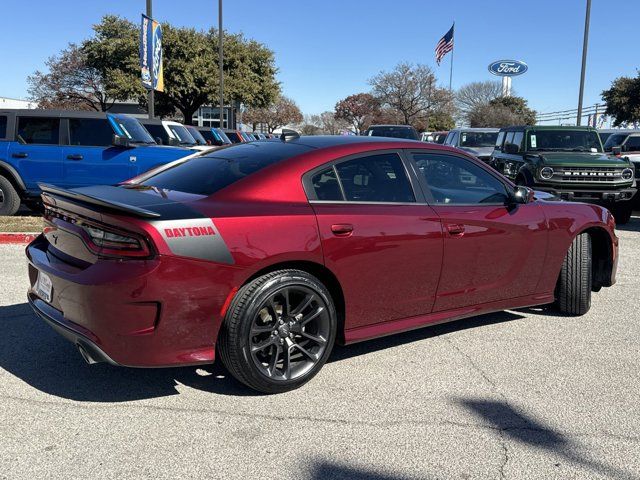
(546, 173)
(627, 174)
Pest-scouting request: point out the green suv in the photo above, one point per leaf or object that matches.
(568, 162)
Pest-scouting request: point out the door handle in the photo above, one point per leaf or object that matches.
(75, 157)
(342, 229)
(19, 155)
(455, 229)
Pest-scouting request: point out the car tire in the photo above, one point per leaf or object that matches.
(573, 292)
(279, 331)
(9, 198)
(622, 213)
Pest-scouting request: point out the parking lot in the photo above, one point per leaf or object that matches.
(518, 394)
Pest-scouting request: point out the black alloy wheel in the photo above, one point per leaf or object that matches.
(279, 331)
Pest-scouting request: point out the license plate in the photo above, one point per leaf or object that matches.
(43, 287)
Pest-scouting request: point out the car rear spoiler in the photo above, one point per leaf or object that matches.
(83, 197)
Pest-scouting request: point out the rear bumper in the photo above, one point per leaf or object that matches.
(91, 352)
(142, 313)
(600, 196)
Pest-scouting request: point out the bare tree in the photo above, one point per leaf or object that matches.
(283, 112)
(474, 95)
(69, 84)
(411, 91)
(331, 125)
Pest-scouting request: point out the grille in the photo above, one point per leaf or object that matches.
(588, 175)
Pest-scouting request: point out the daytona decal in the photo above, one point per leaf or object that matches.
(194, 238)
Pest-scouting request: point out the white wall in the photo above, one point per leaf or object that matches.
(16, 103)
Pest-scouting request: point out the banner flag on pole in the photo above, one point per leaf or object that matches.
(151, 69)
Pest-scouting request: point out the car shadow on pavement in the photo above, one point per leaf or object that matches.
(397, 339)
(35, 353)
(632, 226)
(524, 429)
(325, 470)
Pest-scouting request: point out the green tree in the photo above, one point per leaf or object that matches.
(113, 53)
(623, 100)
(437, 121)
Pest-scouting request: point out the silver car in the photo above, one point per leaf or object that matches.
(479, 142)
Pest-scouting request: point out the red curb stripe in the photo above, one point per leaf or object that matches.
(17, 238)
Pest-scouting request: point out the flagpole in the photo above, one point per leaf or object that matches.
(452, 50)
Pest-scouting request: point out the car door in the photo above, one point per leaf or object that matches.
(379, 238)
(36, 151)
(493, 249)
(90, 159)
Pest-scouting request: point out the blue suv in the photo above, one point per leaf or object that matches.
(71, 149)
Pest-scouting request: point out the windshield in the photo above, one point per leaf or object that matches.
(197, 136)
(130, 128)
(615, 140)
(205, 175)
(182, 134)
(439, 138)
(564, 141)
(221, 135)
(393, 131)
(478, 139)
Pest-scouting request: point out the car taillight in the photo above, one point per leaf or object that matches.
(114, 243)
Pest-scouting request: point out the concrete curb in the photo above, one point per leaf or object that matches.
(18, 238)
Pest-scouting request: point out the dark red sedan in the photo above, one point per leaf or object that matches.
(267, 253)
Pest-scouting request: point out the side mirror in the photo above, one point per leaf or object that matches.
(511, 148)
(616, 151)
(120, 141)
(522, 195)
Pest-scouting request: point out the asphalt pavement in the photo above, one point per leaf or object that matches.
(517, 394)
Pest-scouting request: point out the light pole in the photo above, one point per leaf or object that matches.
(584, 61)
(151, 94)
(220, 57)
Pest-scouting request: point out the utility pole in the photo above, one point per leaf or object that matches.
(151, 94)
(584, 61)
(220, 58)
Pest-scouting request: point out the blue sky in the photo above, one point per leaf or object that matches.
(326, 50)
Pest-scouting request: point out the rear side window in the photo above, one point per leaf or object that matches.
(3, 126)
(210, 173)
(38, 130)
(326, 186)
(94, 132)
(375, 178)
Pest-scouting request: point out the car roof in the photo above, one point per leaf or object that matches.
(464, 129)
(546, 127)
(53, 113)
(390, 125)
(151, 121)
(325, 141)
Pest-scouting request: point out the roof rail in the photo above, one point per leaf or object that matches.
(288, 133)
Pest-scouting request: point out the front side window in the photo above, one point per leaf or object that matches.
(3, 126)
(517, 139)
(499, 140)
(38, 130)
(633, 144)
(457, 181)
(158, 133)
(375, 178)
(615, 140)
(90, 131)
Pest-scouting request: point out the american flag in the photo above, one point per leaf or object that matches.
(445, 45)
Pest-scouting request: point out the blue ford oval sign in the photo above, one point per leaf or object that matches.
(508, 68)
